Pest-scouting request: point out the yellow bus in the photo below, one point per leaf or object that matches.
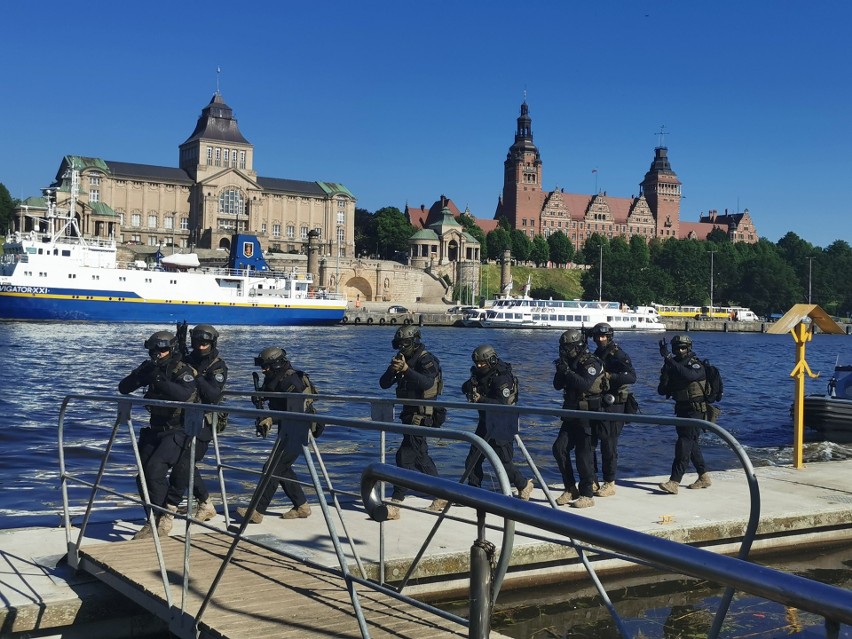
(733, 313)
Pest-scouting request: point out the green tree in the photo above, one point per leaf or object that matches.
(393, 231)
(7, 208)
(365, 232)
(561, 249)
(540, 252)
(771, 285)
(469, 224)
(498, 241)
(521, 245)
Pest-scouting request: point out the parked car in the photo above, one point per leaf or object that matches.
(396, 310)
(460, 309)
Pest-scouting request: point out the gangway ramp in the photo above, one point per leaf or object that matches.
(262, 594)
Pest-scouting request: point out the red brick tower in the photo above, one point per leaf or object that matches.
(522, 197)
(662, 191)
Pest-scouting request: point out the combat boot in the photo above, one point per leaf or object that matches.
(570, 494)
(669, 487)
(144, 532)
(204, 510)
(525, 492)
(703, 481)
(166, 521)
(302, 512)
(607, 489)
(437, 505)
(256, 517)
(393, 511)
(583, 502)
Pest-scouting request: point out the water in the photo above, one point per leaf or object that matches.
(42, 362)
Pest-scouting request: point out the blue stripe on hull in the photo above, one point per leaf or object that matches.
(34, 308)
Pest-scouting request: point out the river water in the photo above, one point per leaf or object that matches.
(42, 362)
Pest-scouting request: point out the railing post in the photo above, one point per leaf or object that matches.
(481, 567)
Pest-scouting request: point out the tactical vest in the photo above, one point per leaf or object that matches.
(222, 416)
(501, 368)
(437, 387)
(620, 394)
(692, 392)
(163, 415)
(597, 387)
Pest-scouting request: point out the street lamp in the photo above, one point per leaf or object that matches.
(600, 275)
(712, 253)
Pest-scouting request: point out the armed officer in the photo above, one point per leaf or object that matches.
(619, 374)
(211, 375)
(682, 379)
(580, 377)
(163, 441)
(279, 376)
(492, 382)
(417, 375)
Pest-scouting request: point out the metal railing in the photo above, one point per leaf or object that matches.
(380, 420)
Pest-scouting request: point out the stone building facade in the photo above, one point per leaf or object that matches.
(655, 212)
(214, 192)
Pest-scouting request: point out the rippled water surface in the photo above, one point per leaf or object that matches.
(43, 362)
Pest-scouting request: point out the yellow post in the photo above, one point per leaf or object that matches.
(801, 335)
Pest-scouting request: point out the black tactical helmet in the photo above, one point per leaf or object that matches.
(681, 340)
(271, 357)
(602, 330)
(486, 354)
(203, 333)
(406, 339)
(160, 341)
(571, 342)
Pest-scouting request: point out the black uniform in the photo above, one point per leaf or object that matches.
(620, 374)
(283, 380)
(580, 378)
(495, 385)
(162, 443)
(418, 380)
(681, 378)
(212, 373)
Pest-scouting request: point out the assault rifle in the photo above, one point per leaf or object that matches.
(261, 424)
(180, 333)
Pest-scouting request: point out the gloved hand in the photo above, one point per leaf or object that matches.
(144, 370)
(664, 349)
(398, 364)
(262, 426)
(474, 395)
(561, 367)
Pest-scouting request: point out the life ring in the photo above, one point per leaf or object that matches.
(393, 320)
(407, 321)
(357, 320)
(381, 320)
(369, 320)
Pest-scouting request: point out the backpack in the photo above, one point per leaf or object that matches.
(713, 387)
(317, 428)
(439, 413)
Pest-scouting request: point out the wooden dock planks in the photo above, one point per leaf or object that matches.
(261, 593)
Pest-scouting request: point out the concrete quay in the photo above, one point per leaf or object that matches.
(798, 507)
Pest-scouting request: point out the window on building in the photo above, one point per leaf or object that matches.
(291, 232)
(234, 158)
(319, 232)
(242, 159)
(341, 237)
(152, 240)
(218, 156)
(136, 239)
(276, 230)
(94, 180)
(341, 217)
(94, 195)
(184, 223)
(227, 156)
(136, 220)
(231, 202)
(169, 222)
(209, 155)
(152, 220)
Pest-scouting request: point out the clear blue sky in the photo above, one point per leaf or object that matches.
(404, 101)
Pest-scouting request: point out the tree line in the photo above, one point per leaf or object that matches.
(765, 276)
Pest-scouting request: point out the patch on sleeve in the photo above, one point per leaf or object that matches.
(219, 377)
(506, 392)
(696, 365)
(187, 377)
(591, 370)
